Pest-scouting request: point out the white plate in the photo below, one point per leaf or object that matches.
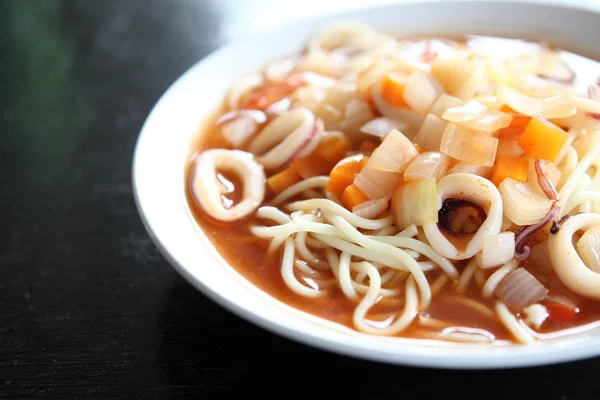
(158, 174)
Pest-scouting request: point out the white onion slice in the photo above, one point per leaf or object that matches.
(488, 122)
(411, 117)
(497, 250)
(470, 147)
(520, 289)
(536, 314)
(376, 184)
(371, 209)
(587, 105)
(465, 112)
(474, 169)
(523, 204)
(431, 164)
(431, 132)
(588, 248)
(558, 106)
(421, 91)
(393, 154)
(443, 103)
(509, 147)
(381, 126)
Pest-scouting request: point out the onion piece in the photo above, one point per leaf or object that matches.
(415, 203)
(431, 164)
(467, 146)
(555, 69)
(431, 132)
(393, 154)
(380, 127)
(523, 204)
(465, 112)
(443, 103)
(558, 106)
(587, 105)
(467, 168)
(492, 102)
(376, 184)
(488, 122)
(520, 289)
(588, 248)
(535, 315)
(462, 75)
(580, 120)
(509, 147)
(421, 91)
(497, 250)
(371, 209)
(356, 113)
(411, 117)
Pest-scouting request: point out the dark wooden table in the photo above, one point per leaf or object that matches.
(89, 308)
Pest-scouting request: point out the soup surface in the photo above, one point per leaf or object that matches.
(418, 187)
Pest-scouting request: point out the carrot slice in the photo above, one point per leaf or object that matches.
(342, 175)
(559, 311)
(516, 127)
(542, 139)
(392, 90)
(263, 97)
(310, 166)
(353, 197)
(509, 167)
(332, 149)
(367, 146)
(282, 180)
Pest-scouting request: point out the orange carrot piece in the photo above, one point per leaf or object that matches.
(332, 149)
(352, 197)
(392, 90)
(509, 167)
(263, 97)
(559, 311)
(310, 166)
(282, 180)
(516, 127)
(342, 175)
(367, 146)
(542, 139)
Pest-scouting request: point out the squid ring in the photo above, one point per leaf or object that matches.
(567, 263)
(293, 134)
(207, 189)
(477, 190)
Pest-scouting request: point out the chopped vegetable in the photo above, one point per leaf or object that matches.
(468, 111)
(431, 164)
(509, 167)
(470, 147)
(343, 173)
(353, 197)
(421, 91)
(558, 106)
(471, 169)
(269, 94)
(393, 154)
(392, 89)
(367, 146)
(382, 126)
(542, 139)
(462, 75)
(523, 204)
(411, 117)
(282, 180)
(332, 147)
(310, 166)
(497, 250)
(561, 308)
(376, 184)
(372, 208)
(509, 147)
(415, 203)
(520, 289)
(536, 314)
(488, 122)
(443, 103)
(431, 132)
